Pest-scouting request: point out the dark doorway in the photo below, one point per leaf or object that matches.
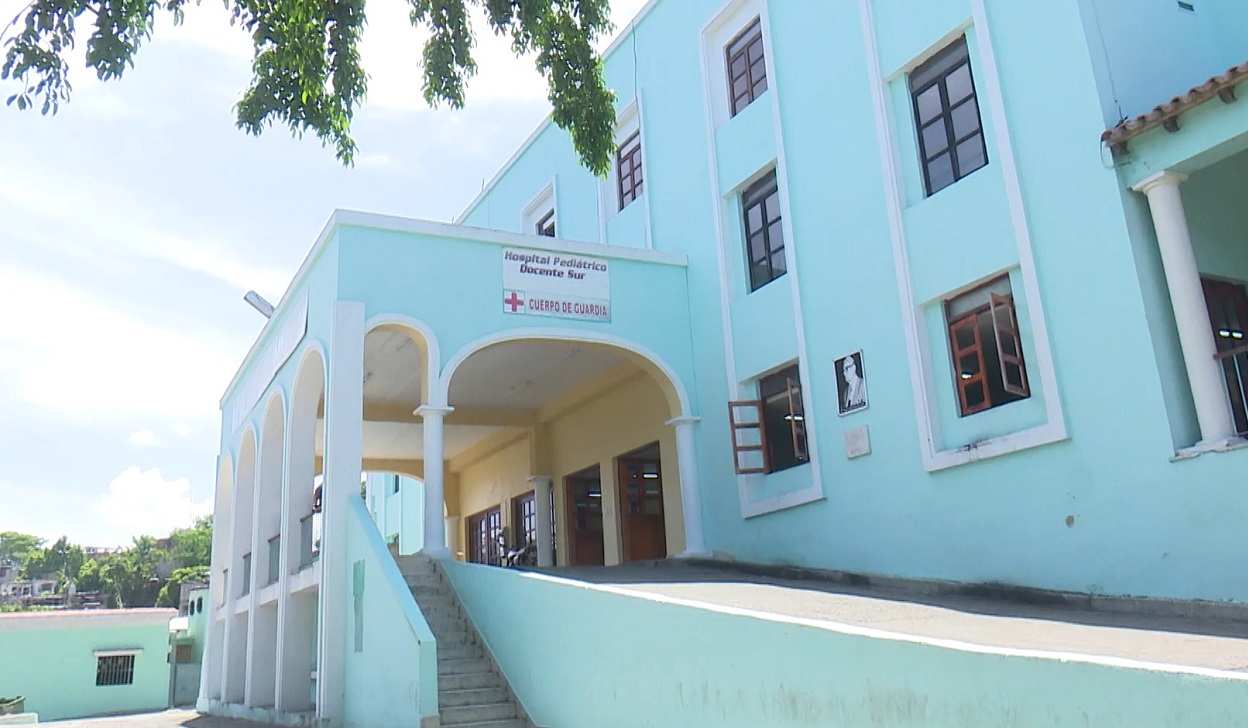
(1228, 312)
(584, 498)
(482, 537)
(641, 504)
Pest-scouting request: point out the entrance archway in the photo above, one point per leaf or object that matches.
(532, 415)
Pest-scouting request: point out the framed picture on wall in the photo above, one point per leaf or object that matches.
(851, 384)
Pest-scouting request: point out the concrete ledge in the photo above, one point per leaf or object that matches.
(257, 715)
(998, 592)
(19, 719)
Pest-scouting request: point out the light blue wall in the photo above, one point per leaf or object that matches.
(379, 268)
(399, 514)
(725, 669)
(998, 520)
(1146, 52)
(49, 659)
(391, 673)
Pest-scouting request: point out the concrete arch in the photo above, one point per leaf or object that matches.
(673, 387)
(424, 337)
(297, 625)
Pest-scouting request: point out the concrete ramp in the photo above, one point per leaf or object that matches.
(646, 652)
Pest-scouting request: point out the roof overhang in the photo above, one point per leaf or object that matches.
(1167, 115)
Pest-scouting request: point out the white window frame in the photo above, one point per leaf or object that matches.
(716, 37)
(544, 202)
(628, 123)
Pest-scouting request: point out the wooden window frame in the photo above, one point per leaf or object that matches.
(756, 196)
(493, 556)
(797, 426)
(521, 534)
(1004, 318)
(935, 73)
(739, 49)
(545, 225)
(629, 186)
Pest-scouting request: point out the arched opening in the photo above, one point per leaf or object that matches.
(239, 580)
(214, 652)
(298, 641)
(266, 562)
(563, 441)
(396, 501)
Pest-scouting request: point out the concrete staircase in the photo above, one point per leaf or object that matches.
(472, 692)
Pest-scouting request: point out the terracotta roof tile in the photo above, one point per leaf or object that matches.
(1167, 114)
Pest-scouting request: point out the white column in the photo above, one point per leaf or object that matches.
(344, 437)
(1204, 373)
(435, 471)
(452, 527)
(690, 496)
(541, 502)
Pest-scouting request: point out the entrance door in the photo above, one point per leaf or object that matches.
(1228, 312)
(482, 537)
(584, 498)
(641, 505)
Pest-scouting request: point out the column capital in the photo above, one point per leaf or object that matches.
(425, 410)
(683, 420)
(1161, 179)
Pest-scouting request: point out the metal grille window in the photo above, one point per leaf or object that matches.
(629, 179)
(114, 670)
(764, 234)
(747, 67)
(987, 348)
(946, 112)
(545, 225)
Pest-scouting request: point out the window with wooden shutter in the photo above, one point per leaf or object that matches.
(1009, 345)
(749, 438)
(986, 348)
(797, 418)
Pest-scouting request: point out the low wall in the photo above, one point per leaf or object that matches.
(391, 664)
(597, 656)
(50, 658)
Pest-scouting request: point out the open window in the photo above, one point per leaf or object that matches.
(987, 349)
(769, 434)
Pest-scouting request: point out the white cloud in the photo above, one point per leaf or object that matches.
(143, 502)
(181, 430)
(144, 438)
(74, 356)
(114, 222)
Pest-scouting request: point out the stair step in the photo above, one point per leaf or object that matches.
(448, 637)
(477, 713)
(434, 600)
(420, 591)
(506, 723)
(468, 681)
(471, 696)
(463, 666)
(458, 651)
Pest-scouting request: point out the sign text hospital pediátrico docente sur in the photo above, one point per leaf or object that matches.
(560, 285)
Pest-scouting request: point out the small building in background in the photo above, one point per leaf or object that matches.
(75, 664)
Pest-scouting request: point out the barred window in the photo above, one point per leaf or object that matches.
(114, 670)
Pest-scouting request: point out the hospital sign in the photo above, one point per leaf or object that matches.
(556, 284)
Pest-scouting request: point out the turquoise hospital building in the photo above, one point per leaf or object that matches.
(950, 291)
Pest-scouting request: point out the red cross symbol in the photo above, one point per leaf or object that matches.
(514, 301)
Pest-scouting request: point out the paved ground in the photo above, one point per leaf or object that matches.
(1178, 641)
(166, 719)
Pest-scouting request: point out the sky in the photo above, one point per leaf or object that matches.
(133, 221)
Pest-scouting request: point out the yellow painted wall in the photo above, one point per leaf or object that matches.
(492, 481)
(624, 419)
